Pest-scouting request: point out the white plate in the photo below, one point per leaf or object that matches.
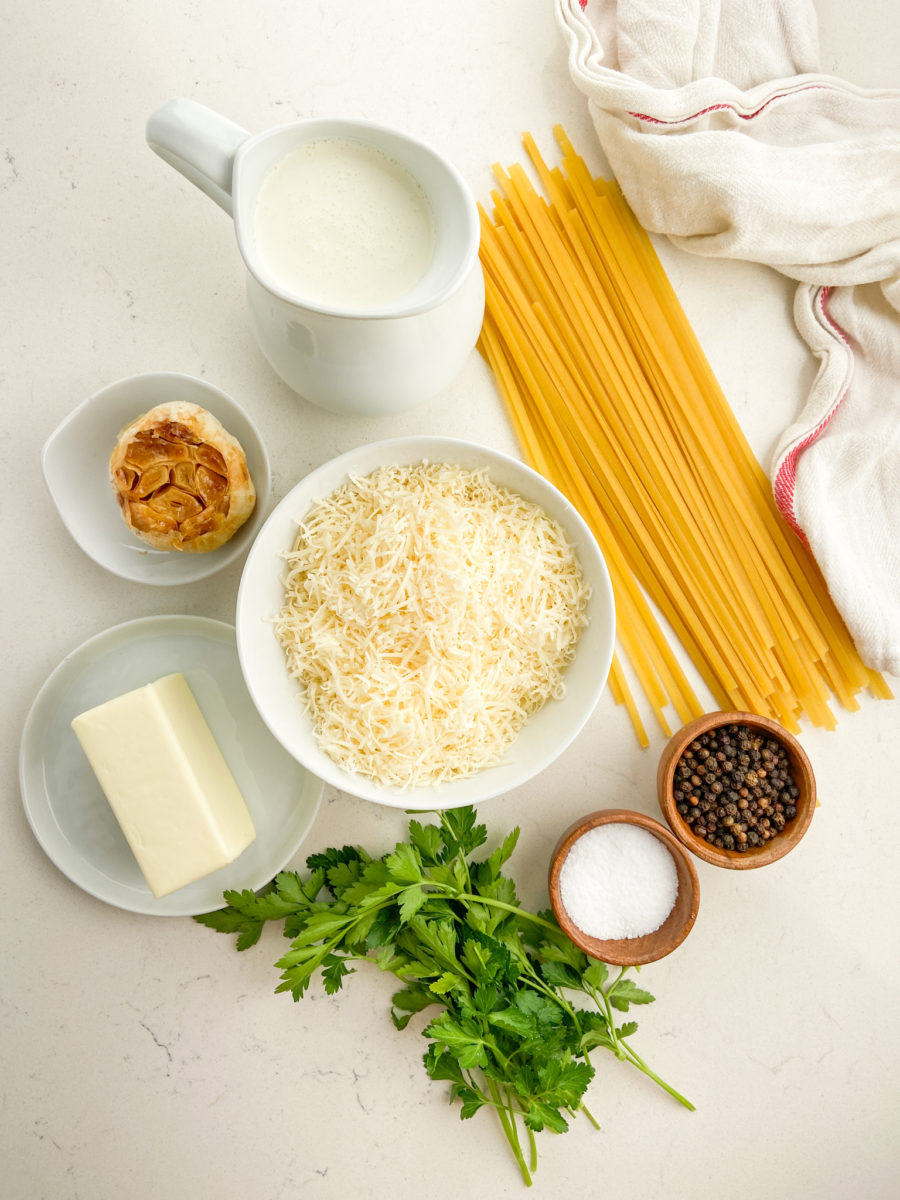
(66, 807)
(277, 696)
(75, 462)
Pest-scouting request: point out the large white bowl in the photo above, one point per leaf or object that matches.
(277, 696)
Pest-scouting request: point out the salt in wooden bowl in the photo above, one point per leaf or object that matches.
(629, 952)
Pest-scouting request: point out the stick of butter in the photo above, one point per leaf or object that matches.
(167, 783)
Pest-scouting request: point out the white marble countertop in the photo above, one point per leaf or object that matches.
(144, 1058)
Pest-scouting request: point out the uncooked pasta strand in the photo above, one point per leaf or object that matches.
(611, 397)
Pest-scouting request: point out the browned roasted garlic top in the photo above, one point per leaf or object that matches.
(181, 479)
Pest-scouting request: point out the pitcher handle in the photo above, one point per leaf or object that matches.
(198, 142)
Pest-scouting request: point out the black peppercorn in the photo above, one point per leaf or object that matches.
(734, 788)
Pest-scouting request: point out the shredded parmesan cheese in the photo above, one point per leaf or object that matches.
(427, 614)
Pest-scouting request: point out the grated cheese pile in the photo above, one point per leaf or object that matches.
(427, 613)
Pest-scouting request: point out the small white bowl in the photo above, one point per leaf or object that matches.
(75, 462)
(277, 696)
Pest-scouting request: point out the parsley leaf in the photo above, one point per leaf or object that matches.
(334, 968)
(624, 993)
(404, 864)
(427, 840)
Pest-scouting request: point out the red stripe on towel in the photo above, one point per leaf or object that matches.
(786, 476)
(811, 87)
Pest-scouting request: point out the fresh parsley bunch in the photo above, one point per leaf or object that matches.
(512, 1034)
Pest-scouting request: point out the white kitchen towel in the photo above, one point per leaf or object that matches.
(723, 136)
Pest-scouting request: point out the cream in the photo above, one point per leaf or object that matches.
(340, 225)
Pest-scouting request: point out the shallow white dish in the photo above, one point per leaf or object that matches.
(66, 807)
(75, 462)
(277, 696)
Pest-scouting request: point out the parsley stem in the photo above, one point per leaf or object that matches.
(508, 1121)
(637, 1061)
(533, 1144)
(624, 1051)
(520, 912)
(495, 1050)
(590, 1116)
(602, 1001)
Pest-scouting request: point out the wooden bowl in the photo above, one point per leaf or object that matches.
(629, 952)
(756, 856)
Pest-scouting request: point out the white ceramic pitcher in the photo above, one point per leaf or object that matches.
(373, 362)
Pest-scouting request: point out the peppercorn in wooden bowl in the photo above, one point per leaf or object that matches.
(635, 878)
(736, 789)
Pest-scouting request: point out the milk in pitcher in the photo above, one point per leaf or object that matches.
(340, 225)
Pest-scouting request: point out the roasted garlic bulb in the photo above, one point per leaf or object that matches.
(181, 479)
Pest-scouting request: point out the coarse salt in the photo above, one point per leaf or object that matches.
(618, 881)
